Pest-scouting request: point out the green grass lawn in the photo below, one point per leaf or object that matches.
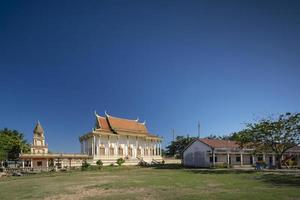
(152, 183)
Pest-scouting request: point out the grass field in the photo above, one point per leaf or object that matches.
(152, 183)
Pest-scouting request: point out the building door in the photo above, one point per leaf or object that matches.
(270, 161)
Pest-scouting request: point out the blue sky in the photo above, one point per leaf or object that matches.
(170, 63)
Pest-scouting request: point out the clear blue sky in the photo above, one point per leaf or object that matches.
(170, 63)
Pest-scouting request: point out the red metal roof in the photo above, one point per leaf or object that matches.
(126, 124)
(215, 143)
(121, 124)
(103, 122)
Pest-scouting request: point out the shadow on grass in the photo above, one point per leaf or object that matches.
(167, 166)
(281, 179)
(201, 170)
(276, 178)
(221, 171)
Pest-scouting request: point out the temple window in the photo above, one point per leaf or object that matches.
(102, 151)
(139, 152)
(120, 151)
(129, 151)
(111, 151)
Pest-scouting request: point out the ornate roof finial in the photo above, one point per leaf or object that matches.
(95, 112)
(137, 119)
(144, 122)
(107, 115)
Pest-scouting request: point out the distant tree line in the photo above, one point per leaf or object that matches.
(272, 134)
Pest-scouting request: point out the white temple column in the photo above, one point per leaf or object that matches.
(118, 144)
(93, 145)
(136, 146)
(160, 147)
(228, 160)
(31, 163)
(213, 158)
(47, 164)
(154, 148)
(273, 160)
(253, 160)
(23, 165)
(99, 144)
(241, 159)
(108, 149)
(145, 145)
(127, 145)
(264, 157)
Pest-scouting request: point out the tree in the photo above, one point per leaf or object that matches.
(120, 161)
(12, 143)
(272, 135)
(176, 147)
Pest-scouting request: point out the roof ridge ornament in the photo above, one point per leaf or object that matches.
(137, 119)
(107, 115)
(144, 123)
(96, 114)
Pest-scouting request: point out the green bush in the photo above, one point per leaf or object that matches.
(85, 165)
(120, 161)
(99, 164)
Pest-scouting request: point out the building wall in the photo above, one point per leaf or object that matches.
(112, 143)
(196, 155)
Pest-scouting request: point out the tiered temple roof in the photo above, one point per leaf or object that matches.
(114, 125)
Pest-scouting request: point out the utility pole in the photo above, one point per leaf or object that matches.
(198, 129)
(173, 132)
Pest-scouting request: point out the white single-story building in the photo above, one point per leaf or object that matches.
(205, 152)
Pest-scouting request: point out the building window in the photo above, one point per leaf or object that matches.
(120, 151)
(146, 153)
(129, 151)
(102, 151)
(39, 163)
(238, 159)
(260, 158)
(211, 159)
(139, 152)
(111, 151)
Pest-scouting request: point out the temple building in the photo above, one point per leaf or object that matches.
(39, 157)
(115, 137)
